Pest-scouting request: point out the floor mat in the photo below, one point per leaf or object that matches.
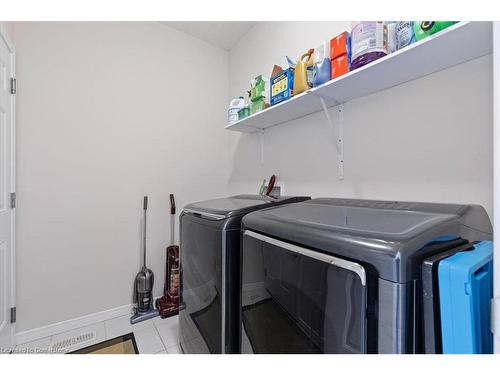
(120, 345)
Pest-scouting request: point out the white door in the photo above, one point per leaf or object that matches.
(7, 181)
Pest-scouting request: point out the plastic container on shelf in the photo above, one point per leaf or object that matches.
(392, 40)
(423, 29)
(322, 68)
(234, 107)
(244, 112)
(405, 34)
(368, 42)
(303, 74)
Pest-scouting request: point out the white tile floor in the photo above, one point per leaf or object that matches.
(154, 336)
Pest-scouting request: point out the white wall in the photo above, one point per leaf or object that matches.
(8, 28)
(107, 113)
(427, 140)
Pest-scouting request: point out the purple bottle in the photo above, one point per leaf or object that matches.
(368, 42)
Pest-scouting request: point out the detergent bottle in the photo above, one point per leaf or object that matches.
(423, 29)
(392, 40)
(405, 34)
(303, 78)
(234, 107)
(245, 111)
(322, 66)
(368, 42)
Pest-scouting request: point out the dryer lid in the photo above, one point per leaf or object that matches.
(386, 235)
(238, 204)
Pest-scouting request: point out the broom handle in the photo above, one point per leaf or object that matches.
(144, 239)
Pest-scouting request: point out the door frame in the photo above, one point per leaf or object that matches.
(495, 311)
(12, 188)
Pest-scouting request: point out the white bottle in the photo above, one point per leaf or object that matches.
(392, 40)
(234, 106)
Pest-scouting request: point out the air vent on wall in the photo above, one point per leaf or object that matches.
(71, 342)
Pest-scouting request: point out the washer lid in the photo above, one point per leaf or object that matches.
(386, 235)
(237, 205)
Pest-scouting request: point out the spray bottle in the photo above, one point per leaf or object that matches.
(322, 66)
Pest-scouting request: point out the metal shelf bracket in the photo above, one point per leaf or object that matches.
(262, 132)
(339, 139)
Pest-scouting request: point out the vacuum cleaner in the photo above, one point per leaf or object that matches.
(168, 304)
(143, 285)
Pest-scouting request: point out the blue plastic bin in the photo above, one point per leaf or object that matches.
(465, 292)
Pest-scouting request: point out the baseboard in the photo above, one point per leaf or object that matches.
(67, 325)
(82, 321)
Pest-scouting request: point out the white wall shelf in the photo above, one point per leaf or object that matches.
(457, 44)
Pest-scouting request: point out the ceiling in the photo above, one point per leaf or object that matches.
(221, 34)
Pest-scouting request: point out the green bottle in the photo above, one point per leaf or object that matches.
(423, 29)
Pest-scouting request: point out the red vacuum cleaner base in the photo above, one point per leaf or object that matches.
(167, 307)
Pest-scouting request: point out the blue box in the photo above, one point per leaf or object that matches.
(281, 86)
(465, 292)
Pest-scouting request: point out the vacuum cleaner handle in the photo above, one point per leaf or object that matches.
(172, 220)
(172, 204)
(145, 205)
